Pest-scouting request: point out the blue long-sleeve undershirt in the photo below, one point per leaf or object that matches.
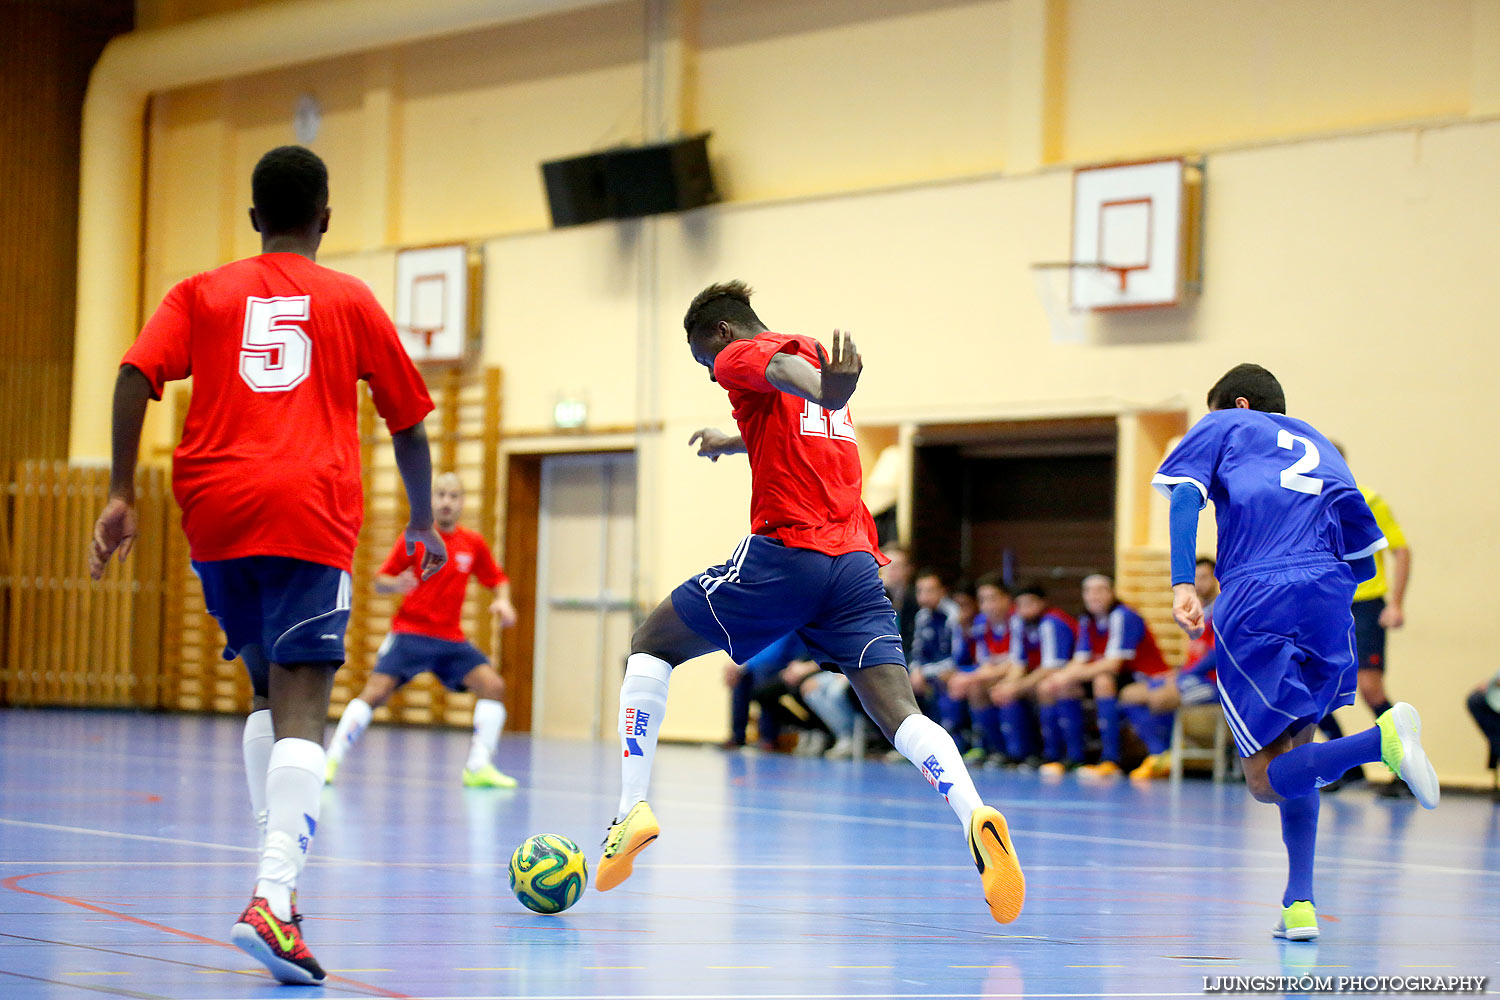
(1183, 532)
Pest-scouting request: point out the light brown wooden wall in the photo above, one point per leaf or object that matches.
(46, 51)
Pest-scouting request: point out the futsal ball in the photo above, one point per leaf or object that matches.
(548, 873)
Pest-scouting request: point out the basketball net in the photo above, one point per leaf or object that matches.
(1054, 289)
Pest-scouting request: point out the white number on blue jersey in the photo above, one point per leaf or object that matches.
(1292, 477)
(818, 422)
(275, 355)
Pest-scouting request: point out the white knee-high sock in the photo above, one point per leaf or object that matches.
(256, 744)
(643, 702)
(928, 745)
(352, 725)
(294, 786)
(489, 720)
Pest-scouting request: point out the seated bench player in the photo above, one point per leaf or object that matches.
(933, 641)
(1114, 645)
(988, 646)
(427, 635)
(1041, 643)
(1151, 703)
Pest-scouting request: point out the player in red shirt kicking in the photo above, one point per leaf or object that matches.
(267, 475)
(427, 634)
(809, 566)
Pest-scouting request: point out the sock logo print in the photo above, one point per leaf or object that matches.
(636, 722)
(304, 841)
(934, 772)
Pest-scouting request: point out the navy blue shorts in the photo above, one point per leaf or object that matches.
(278, 609)
(1369, 634)
(404, 656)
(835, 604)
(1286, 639)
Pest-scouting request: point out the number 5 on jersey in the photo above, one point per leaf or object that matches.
(275, 355)
(819, 422)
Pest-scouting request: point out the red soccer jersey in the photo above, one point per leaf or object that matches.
(436, 607)
(805, 479)
(269, 459)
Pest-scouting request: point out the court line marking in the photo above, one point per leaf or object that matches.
(966, 995)
(13, 883)
(150, 838)
(112, 990)
(1041, 806)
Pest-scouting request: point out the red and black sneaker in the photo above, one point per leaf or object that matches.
(277, 944)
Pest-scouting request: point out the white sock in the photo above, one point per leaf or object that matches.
(928, 745)
(351, 727)
(294, 787)
(489, 720)
(643, 702)
(256, 744)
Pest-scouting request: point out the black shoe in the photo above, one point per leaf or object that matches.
(1333, 786)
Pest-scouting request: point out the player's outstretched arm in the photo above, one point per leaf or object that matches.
(115, 529)
(713, 442)
(831, 387)
(415, 462)
(1187, 609)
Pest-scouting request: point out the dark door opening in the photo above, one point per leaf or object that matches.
(1034, 500)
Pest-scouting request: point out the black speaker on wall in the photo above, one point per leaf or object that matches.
(575, 190)
(630, 182)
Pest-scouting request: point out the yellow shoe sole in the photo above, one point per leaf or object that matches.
(999, 869)
(641, 830)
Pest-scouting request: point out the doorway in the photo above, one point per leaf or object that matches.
(584, 612)
(1034, 500)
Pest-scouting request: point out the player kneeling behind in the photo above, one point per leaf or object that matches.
(427, 635)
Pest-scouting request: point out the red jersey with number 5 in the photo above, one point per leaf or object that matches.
(269, 459)
(805, 478)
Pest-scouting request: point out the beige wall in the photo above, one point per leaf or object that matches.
(870, 152)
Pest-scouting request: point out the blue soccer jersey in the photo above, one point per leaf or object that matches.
(1046, 642)
(1280, 490)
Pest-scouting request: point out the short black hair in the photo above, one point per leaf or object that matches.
(992, 580)
(1258, 386)
(727, 300)
(964, 586)
(1033, 588)
(289, 189)
(930, 572)
(1207, 561)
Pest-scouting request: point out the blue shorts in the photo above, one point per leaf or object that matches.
(404, 656)
(278, 609)
(1286, 639)
(835, 604)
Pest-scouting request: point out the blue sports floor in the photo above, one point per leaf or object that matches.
(126, 853)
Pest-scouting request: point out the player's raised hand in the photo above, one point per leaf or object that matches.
(711, 442)
(434, 551)
(840, 371)
(1187, 609)
(113, 532)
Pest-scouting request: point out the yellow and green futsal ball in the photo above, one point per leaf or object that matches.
(548, 873)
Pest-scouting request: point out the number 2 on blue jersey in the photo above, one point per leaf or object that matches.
(1293, 477)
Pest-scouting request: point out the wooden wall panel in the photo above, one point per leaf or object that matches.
(46, 52)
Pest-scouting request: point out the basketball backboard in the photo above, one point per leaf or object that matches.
(1128, 224)
(432, 302)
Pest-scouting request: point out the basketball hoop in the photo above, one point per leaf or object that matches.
(1055, 282)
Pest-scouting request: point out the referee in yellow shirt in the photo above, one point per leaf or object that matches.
(1379, 604)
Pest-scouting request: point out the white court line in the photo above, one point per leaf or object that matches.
(87, 831)
(824, 817)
